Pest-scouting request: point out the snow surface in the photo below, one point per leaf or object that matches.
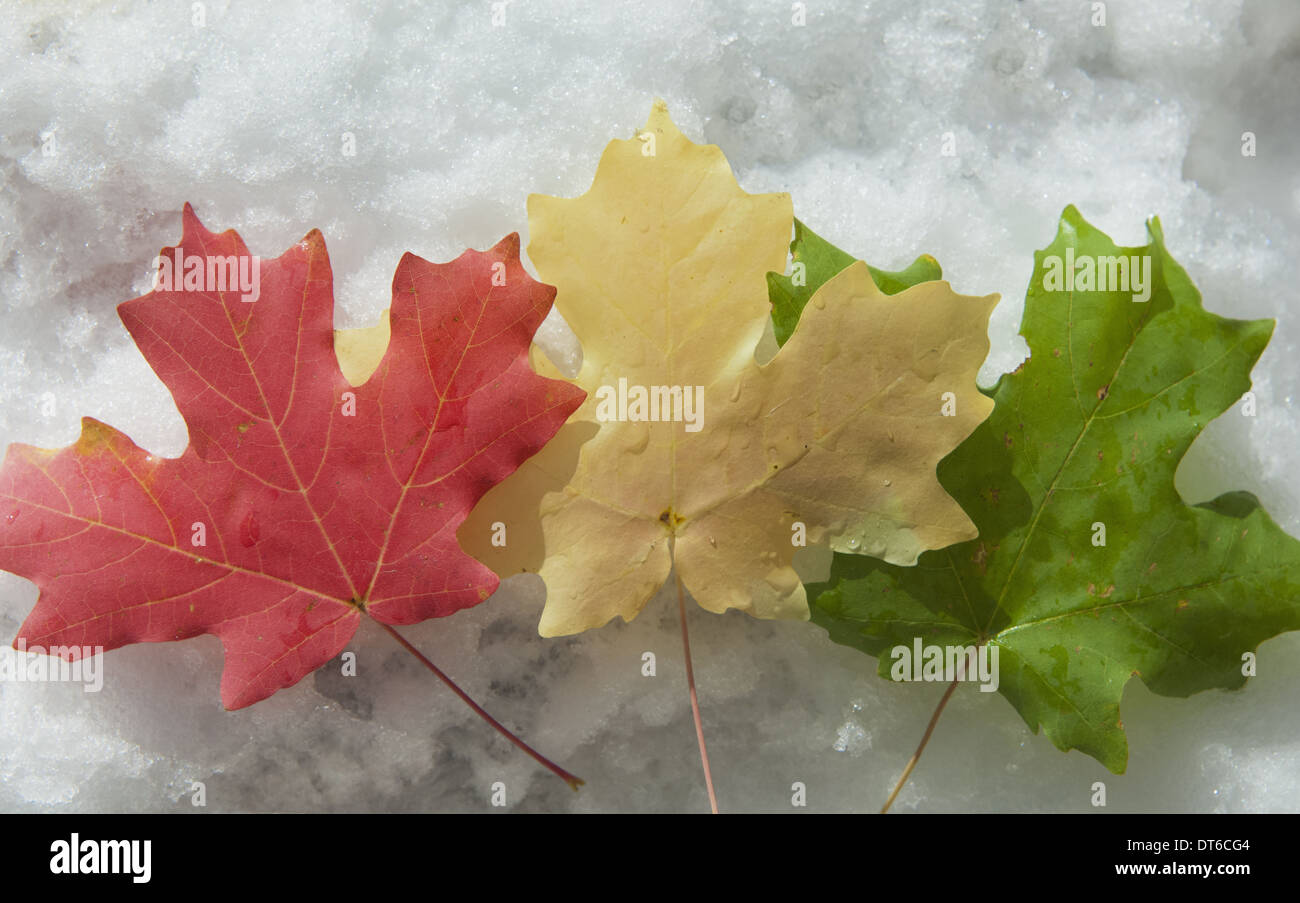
(456, 121)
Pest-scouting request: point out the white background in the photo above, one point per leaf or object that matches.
(456, 121)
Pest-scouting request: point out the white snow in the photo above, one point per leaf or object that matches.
(115, 115)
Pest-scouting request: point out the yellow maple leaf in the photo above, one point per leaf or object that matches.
(660, 270)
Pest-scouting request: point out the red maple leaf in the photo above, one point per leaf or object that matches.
(296, 507)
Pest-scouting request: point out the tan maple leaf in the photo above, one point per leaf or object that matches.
(660, 269)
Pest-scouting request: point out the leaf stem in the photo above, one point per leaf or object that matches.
(911, 763)
(571, 780)
(695, 701)
(934, 719)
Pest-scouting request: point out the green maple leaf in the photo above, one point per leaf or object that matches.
(1090, 430)
(820, 260)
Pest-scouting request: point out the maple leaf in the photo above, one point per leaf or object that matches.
(302, 501)
(1085, 437)
(820, 261)
(661, 270)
